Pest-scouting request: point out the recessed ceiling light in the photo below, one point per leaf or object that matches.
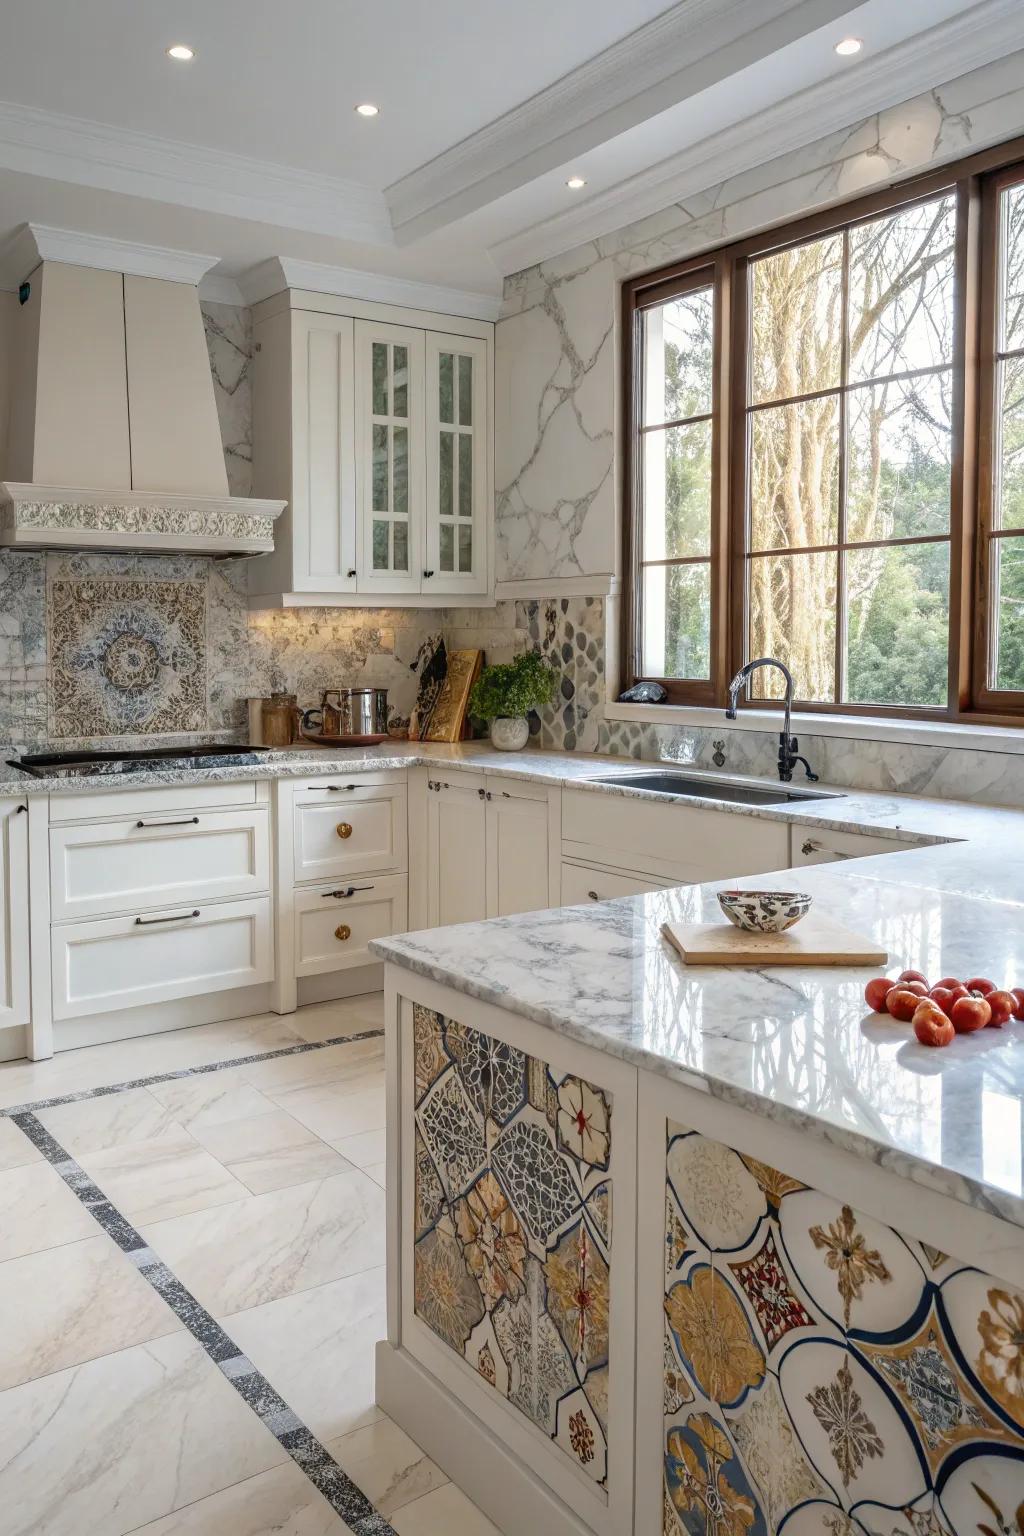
(575, 182)
(367, 109)
(849, 45)
(182, 52)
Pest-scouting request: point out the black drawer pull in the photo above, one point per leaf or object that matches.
(186, 821)
(593, 896)
(336, 789)
(177, 917)
(343, 894)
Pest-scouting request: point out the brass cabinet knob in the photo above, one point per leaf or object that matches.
(343, 931)
(344, 829)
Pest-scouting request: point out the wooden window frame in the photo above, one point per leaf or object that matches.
(976, 182)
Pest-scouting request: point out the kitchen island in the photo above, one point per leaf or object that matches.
(709, 1250)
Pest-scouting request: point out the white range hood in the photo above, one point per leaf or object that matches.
(113, 441)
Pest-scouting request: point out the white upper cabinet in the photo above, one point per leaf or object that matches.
(378, 434)
(390, 481)
(457, 465)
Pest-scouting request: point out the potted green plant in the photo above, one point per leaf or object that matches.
(504, 695)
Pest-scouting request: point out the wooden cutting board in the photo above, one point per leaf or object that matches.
(816, 940)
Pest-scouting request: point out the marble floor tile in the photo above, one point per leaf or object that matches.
(211, 1099)
(322, 1021)
(266, 1246)
(73, 1304)
(282, 1502)
(389, 1467)
(334, 1111)
(268, 1151)
(445, 1512)
(364, 1149)
(349, 1067)
(15, 1148)
(104, 1447)
(317, 1349)
(37, 1211)
(167, 1176)
(378, 1173)
(112, 1120)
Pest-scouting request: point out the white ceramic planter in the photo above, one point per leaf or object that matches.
(510, 733)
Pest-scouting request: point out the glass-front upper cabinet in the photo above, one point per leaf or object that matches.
(389, 460)
(457, 464)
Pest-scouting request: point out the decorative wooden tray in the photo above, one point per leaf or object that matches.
(816, 940)
(319, 740)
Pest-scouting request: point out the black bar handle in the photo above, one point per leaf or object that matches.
(177, 917)
(186, 821)
(342, 895)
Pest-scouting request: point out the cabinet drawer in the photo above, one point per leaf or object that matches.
(814, 845)
(699, 844)
(332, 932)
(102, 868)
(124, 962)
(349, 833)
(103, 804)
(589, 882)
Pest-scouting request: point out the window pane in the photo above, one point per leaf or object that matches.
(446, 473)
(401, 542)
(794, 475)
(1008, 613)
(1010, 467)
(445, 384)
(466, 391)
(380, 545)
(380, 469)
(401, 357)
(897, 625)
(901, 290)
(898, 458)
(447, 547)
(380, 379)
(677, 492)
(465, 475)
(793, 618)
(1012, 298)
(796, 320)
(677, 621)
(401, 488)
(466, 547)
(678, 346)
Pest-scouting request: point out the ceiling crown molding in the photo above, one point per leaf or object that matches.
(92, 154)
(282, 272)
(988, 32)
(32, 243)
(687, 48)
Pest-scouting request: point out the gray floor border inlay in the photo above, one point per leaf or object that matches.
(345, 1498)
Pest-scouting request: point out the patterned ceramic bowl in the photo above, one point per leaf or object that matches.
(764, 911)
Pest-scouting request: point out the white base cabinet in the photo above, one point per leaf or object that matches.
(15, 1006)
(334, 928)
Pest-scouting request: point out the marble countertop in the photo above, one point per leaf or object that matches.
(799, 1044)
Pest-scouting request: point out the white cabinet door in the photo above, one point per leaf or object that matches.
(350, 832)
(458, 468)
(14, 964)
(817, 845)
(333, 929)
(456, 850)
(591, 882)
(517, 853)
(390, 478)
(323, 489)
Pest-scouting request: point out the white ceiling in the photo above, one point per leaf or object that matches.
(253, 150)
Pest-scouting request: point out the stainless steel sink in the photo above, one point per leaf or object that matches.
(707, 786)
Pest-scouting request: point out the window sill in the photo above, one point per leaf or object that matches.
(918, 733)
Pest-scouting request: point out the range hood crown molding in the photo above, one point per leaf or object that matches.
(32, 243)
(67, 517)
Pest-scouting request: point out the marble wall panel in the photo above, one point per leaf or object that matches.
(823, 1372)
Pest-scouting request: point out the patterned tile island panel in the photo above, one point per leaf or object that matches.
(513, 1227)
(825, 1373)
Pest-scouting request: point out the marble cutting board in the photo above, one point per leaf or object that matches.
(816, 940)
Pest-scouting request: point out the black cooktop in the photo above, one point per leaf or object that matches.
(79, 765)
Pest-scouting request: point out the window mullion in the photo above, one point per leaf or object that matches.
(842, 616)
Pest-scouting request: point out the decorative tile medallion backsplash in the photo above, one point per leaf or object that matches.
(825, 1373)
(512, 1213)
(127, 657)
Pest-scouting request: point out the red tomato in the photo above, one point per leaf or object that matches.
(1018, 993)
(980, 984)
(876, 992)
(913, 976)
(950, 982)
(902, 1002)
(969, 1014)
(943, 998)
(932, 1027)
(1002, 1005)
